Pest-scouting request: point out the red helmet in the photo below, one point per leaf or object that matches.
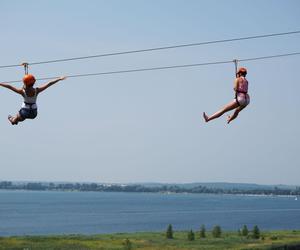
(29, 80)
(242, 70)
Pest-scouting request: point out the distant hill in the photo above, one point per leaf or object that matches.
(197, 187)
(200, 187)
(221, 185)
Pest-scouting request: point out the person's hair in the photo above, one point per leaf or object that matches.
(242, 71)
(29, 80)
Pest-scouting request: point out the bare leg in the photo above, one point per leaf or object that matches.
(235, 114)
(14, 120)
(230, 106)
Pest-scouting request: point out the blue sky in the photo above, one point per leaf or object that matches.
(147, 126)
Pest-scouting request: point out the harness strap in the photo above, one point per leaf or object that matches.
(244, 92)
(30, 105)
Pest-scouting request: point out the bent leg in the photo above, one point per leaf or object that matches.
(14, 120)
(230, 106)
(235, 114)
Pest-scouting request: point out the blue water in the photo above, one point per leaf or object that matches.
(27, 213)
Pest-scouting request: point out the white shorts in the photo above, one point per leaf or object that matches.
(242, 99)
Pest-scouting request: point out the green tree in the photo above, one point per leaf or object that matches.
(191, 235)
(245, 231)
(169, 233)
(127, 244)
(217, 231)
(202, 231)
(255, 232)
(239, 232)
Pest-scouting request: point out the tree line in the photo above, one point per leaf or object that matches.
(41, 186)
(216, 232)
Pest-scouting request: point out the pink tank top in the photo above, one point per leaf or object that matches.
(242, 85)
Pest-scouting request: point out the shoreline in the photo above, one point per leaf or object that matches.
(160, 192)
(158, 232)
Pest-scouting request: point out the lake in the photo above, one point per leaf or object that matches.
(43, 212)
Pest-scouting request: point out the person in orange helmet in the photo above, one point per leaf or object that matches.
(241, 100)
(29, 107)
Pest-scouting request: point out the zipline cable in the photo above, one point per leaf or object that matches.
(268, 57)
(157, 48)
(170, 67)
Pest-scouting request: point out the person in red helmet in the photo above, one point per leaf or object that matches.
(241, 100)
(29, 107)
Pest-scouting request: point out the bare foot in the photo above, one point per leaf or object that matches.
(11, 119)
(205, 117)
(228, 119)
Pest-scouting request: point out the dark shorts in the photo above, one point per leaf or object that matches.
(28, 113)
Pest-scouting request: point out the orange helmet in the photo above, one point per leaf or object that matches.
(29, 80)
(242, 70)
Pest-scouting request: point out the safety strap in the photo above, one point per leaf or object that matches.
(235, 61)
(235, 65)
(25, 67)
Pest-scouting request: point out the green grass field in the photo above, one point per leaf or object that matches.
(152, 241)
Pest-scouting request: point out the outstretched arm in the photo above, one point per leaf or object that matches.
(47, 85)
(19, 91)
